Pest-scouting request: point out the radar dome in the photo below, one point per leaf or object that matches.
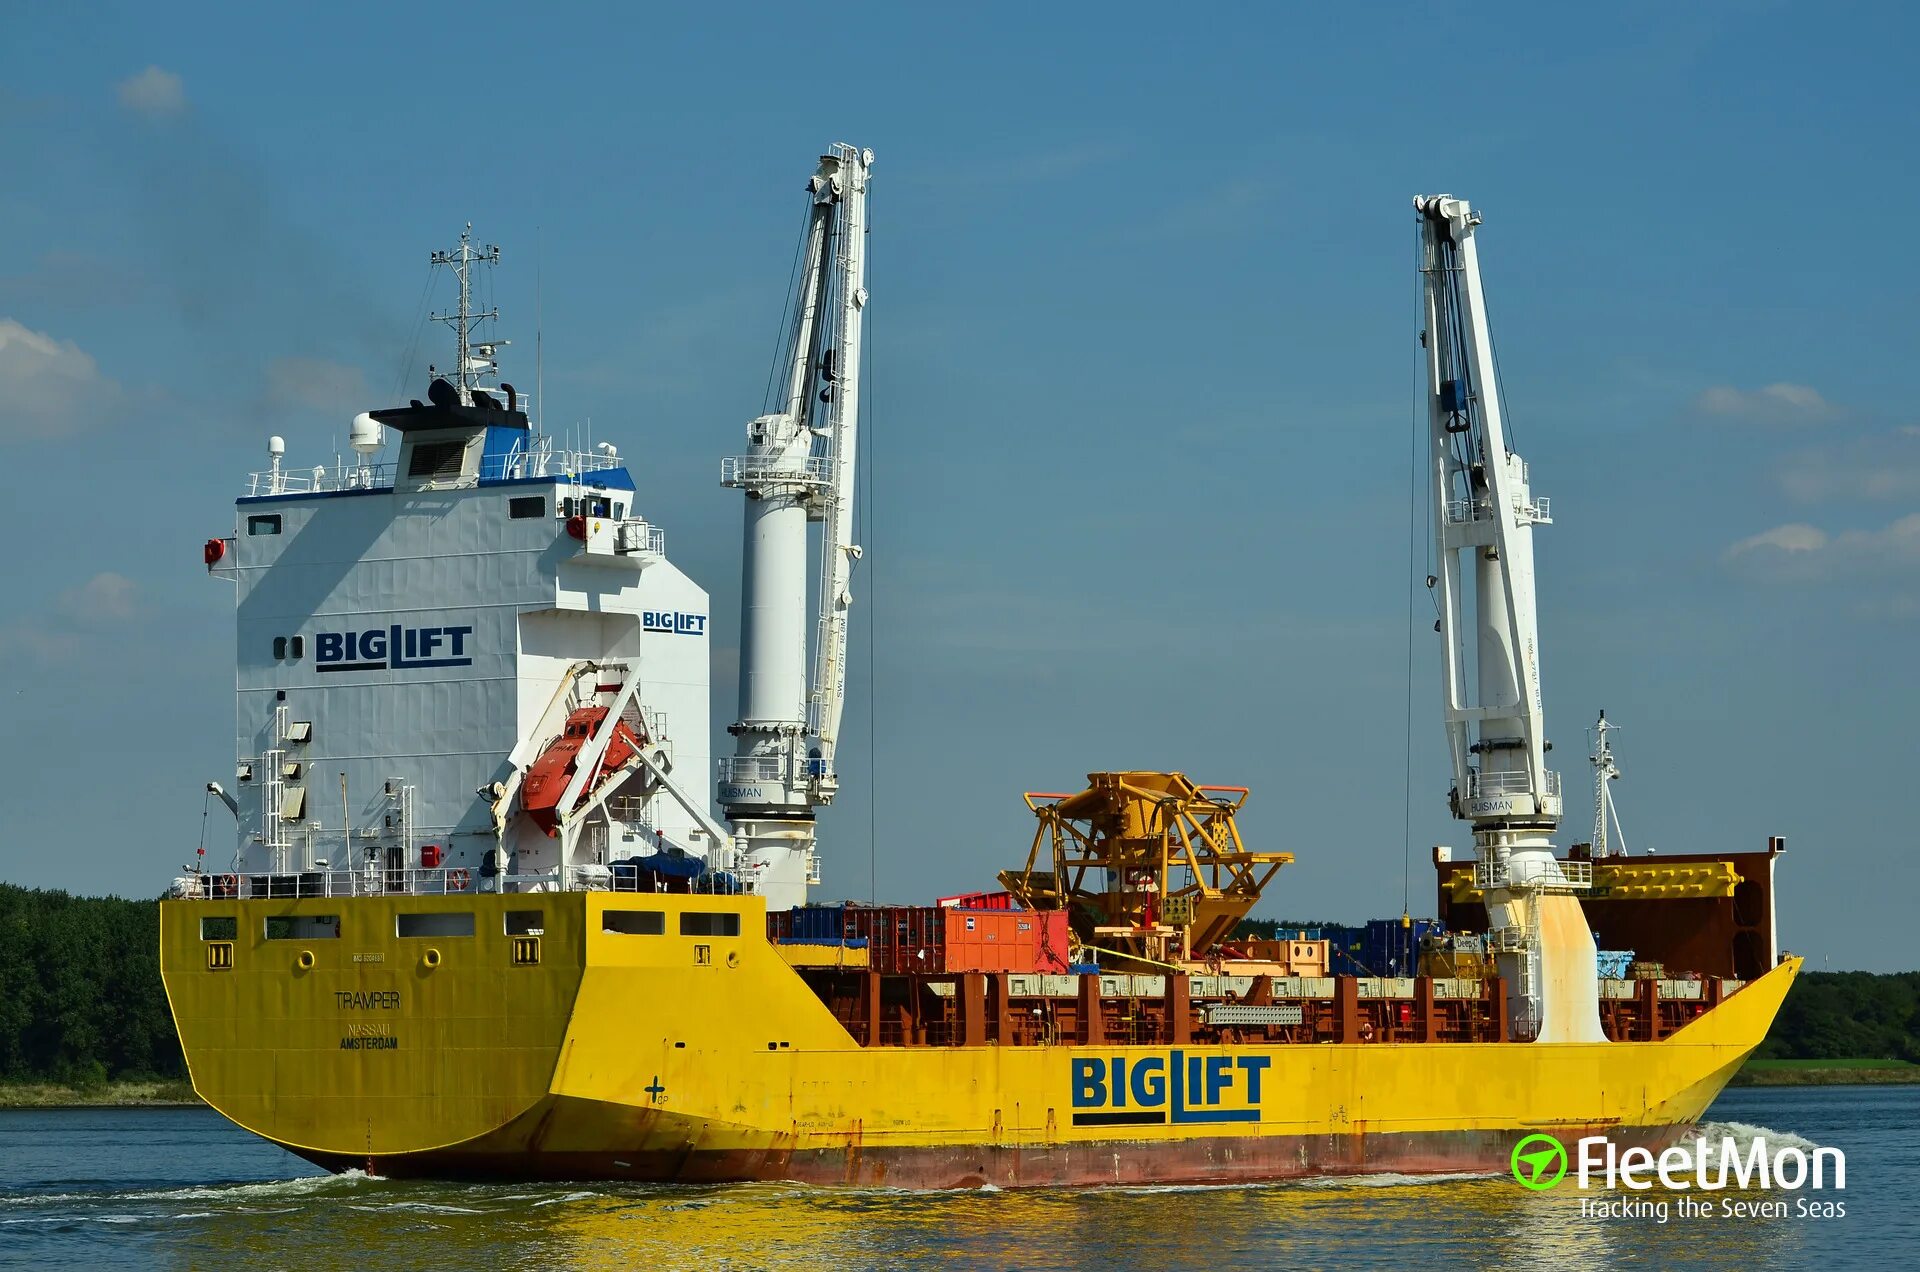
(366, 435)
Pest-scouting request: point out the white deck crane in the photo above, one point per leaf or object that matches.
(1483, 509)
(799, 468)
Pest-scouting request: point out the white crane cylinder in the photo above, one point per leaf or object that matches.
(773, 633)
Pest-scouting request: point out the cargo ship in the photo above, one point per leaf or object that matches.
(482, 921)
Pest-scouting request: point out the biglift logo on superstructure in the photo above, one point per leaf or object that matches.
(393, 648)
(1177, 1087)
(673, 622)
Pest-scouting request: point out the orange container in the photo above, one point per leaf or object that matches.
(1005, 940)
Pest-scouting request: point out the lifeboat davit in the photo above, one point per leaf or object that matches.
(546, 782)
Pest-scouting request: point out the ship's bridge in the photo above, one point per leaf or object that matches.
(416, 635)
(447, 444)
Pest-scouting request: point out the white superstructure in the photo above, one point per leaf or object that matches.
(421, 626)
(1484, 515)
(799, 469)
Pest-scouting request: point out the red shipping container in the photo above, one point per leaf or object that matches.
(1006, 940)
(1052, 941)
(978, 901)
(900, 938)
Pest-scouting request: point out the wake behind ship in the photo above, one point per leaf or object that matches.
(481, 922)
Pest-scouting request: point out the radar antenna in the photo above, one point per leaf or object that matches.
(475, 359)
(1605, 773)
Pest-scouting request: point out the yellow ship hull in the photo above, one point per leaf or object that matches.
(543, 1044)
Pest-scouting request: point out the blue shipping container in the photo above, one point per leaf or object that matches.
(1391, 947)
(1613, 963)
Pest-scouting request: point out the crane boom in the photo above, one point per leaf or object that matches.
(1484, 513)
(838, 551)
(800, 469)
(1482, 505)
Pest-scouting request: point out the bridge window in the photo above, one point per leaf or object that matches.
(299, 646)
(527, 506)
(633, 922)
(526, 922)
(279, 646)
(264, 523)
(219, 927)
(709, 923)
(303, 927)
(436, 923)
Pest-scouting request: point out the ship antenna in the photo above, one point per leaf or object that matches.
(539, 338)
(1605, 771)
(467, 368)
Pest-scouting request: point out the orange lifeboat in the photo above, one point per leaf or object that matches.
(546, 782)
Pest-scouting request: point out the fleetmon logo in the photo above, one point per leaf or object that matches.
(1538, 1162)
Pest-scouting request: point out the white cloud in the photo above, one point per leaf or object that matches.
(70, 628)
(1880, 467)
(1771, 404)
(1789, 538)
(1801, 553)
(105, 598)
(315, 384)
(48, 387)
(154, 93)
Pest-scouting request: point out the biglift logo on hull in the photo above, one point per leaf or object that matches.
(393, 648)
(1153, 1090)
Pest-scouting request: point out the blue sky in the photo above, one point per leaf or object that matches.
(1142, 404)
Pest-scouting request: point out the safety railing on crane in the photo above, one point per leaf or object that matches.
(1552, 875)
(1533, 511)
(750, 768)
(1510, 782)
(741, 470)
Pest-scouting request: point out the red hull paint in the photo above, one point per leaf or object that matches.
(1208, 1160)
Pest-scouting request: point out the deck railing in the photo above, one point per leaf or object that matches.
(448, 882)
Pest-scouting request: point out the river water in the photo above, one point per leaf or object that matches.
(86, 1188)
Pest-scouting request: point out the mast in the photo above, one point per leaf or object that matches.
(1605, 772)
(1484, 514)
(469, 369)
(800, 469)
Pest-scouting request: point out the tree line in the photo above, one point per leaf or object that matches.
(1848, 1016)
(80, 995)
